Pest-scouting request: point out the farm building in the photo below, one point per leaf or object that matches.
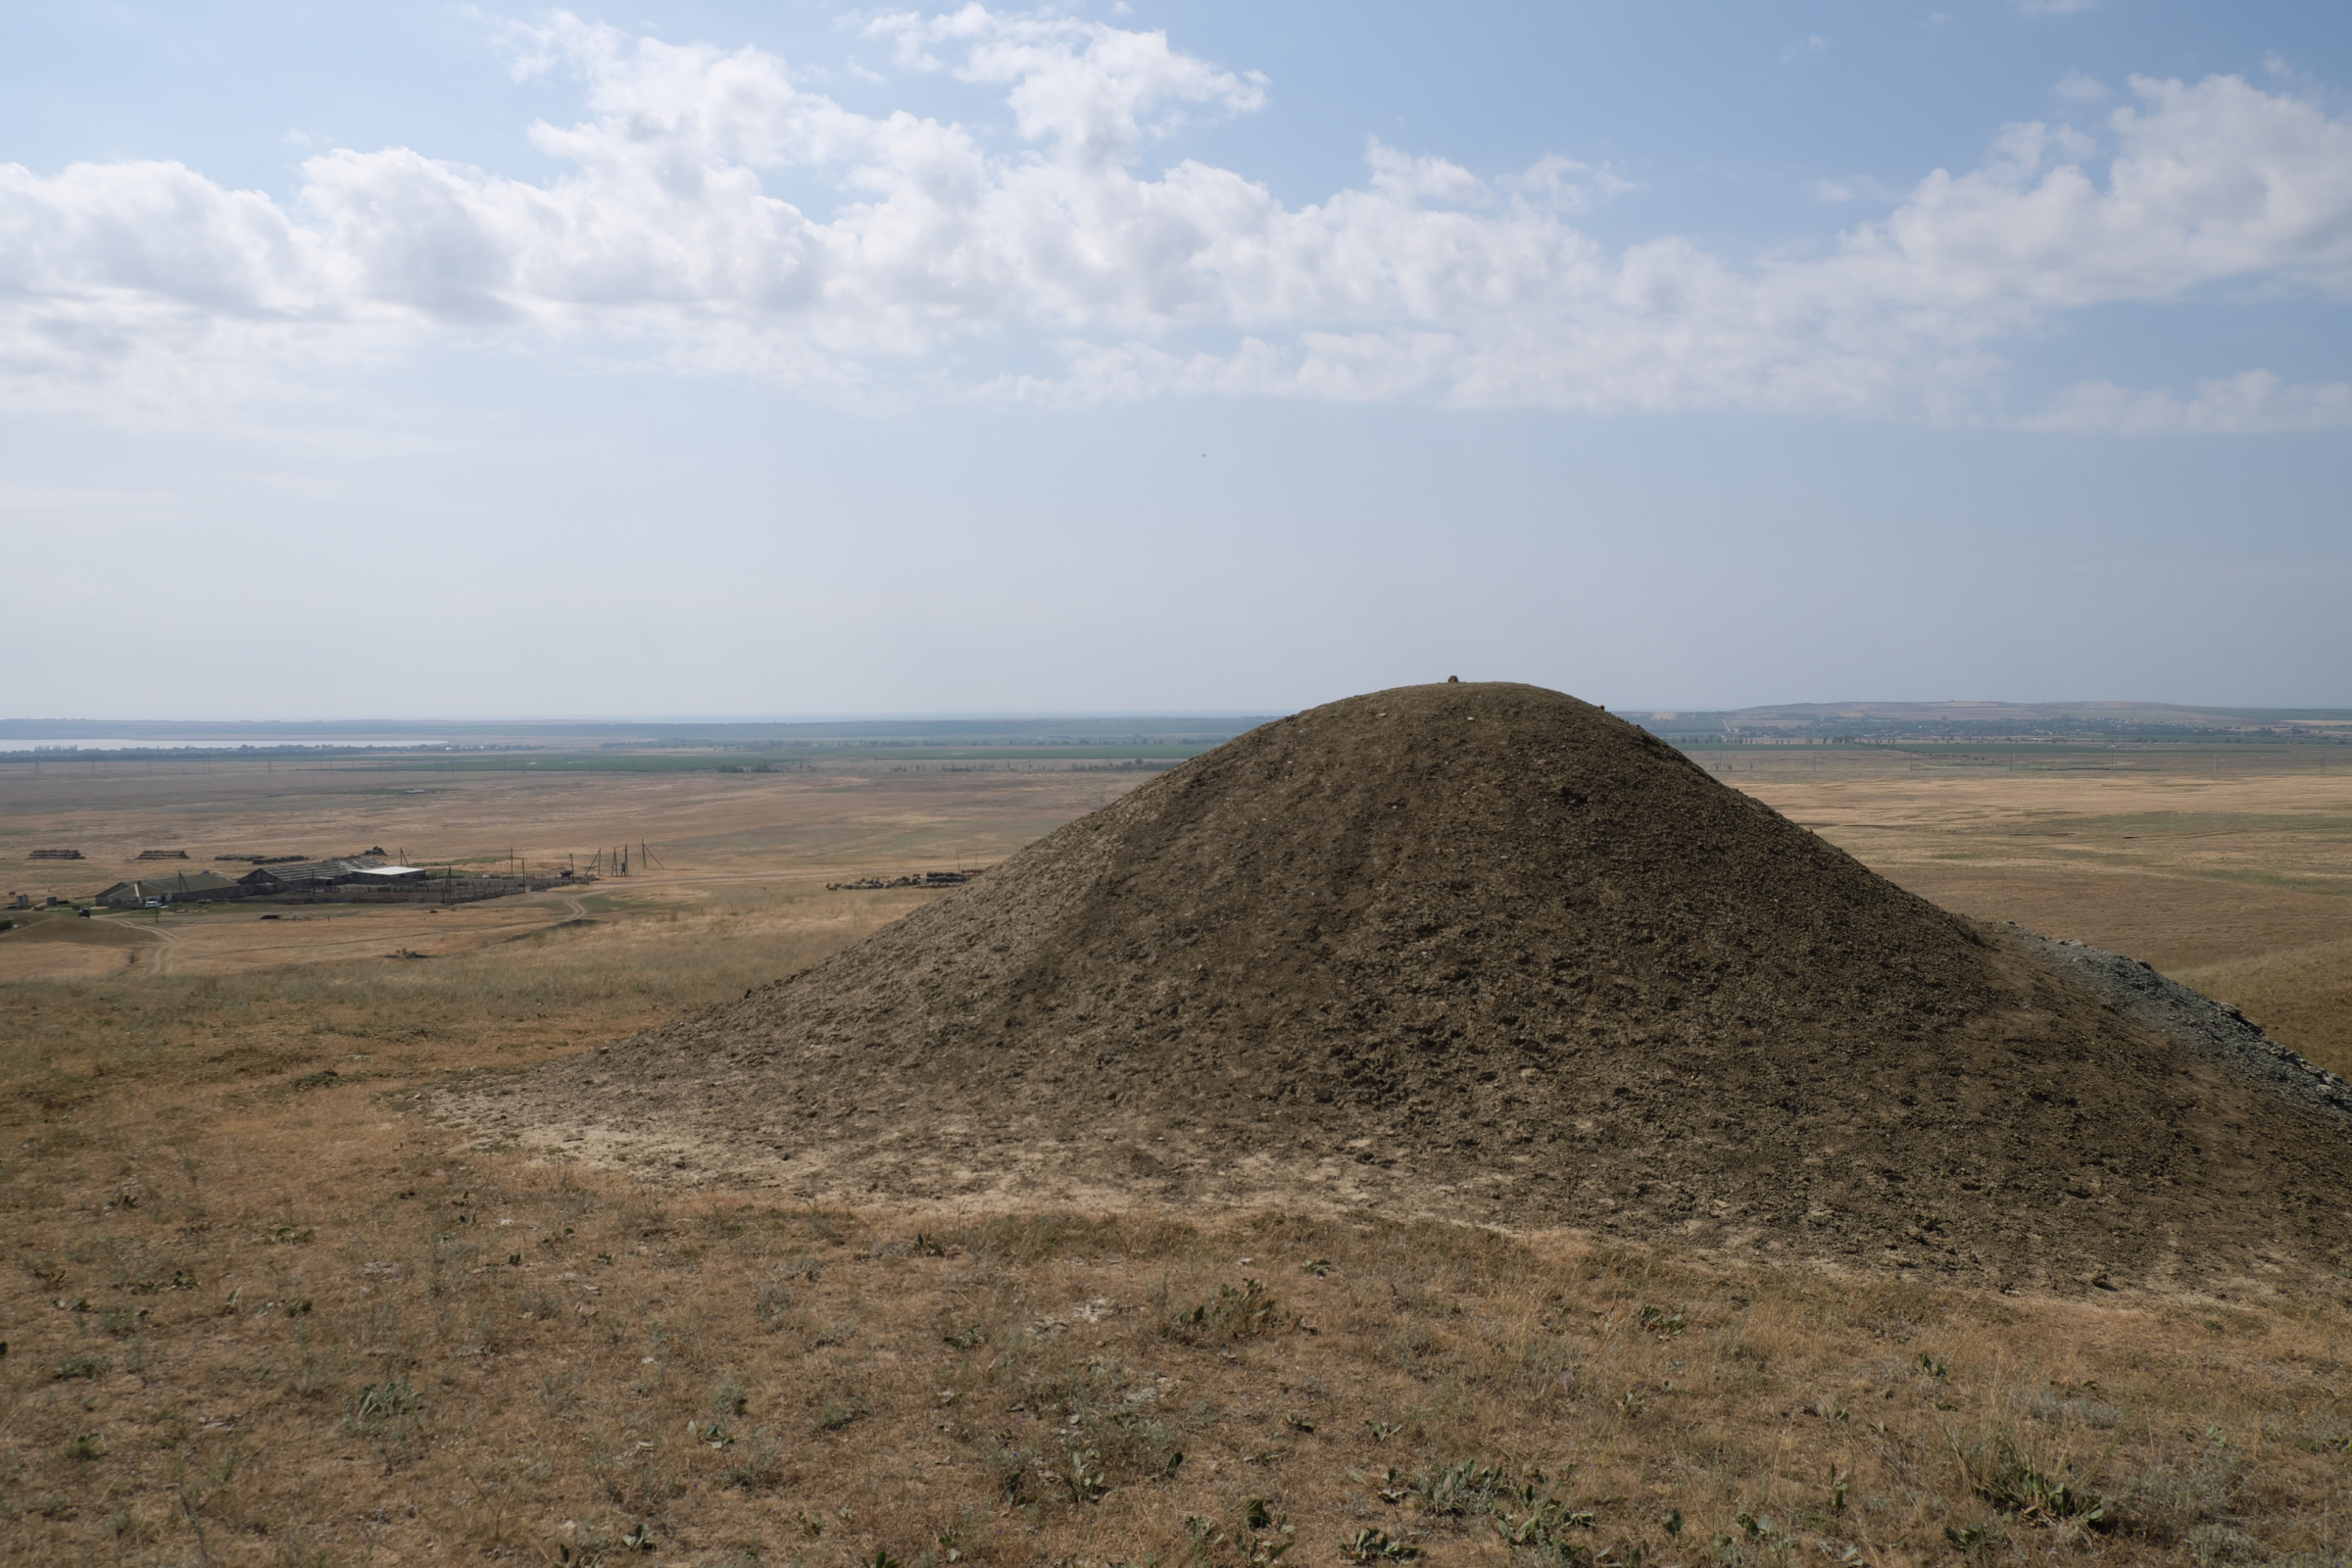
(309, 876)
(170, 887)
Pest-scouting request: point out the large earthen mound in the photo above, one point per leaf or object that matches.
(1479, 951)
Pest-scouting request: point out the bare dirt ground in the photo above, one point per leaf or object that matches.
(260, 1311)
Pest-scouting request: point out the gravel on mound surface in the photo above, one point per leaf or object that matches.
(1483, 951)
(2134, 988)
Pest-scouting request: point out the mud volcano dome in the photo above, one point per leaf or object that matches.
(1479, 951)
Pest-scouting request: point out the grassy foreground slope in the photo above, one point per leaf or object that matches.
(258, 1312)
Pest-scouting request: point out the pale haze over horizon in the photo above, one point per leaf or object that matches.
(709, 358)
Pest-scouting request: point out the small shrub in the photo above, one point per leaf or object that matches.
(388, 1408)
(1236, 1313)
(2172, 1494)
(1755, 1540)
(1544, 1530)
(1528, 1518)
(1448, 1493)
(758, 1464)
(93, 1367)
(1262, 1539)
(1078, 1471)
(315, 1371)
(1374, 1545)
(1659, 1321)
(1009, 1468)
(773, 1305)
(2211, 1544)
(1975, 1541)
(2012, 1481)
(128, 1529)
(2327, 1431)
(1415, 1349)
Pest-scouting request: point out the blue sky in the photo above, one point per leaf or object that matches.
(698, 359)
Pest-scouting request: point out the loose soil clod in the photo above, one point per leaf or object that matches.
(1479, 952)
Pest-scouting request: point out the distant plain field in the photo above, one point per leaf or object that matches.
(2227, 866)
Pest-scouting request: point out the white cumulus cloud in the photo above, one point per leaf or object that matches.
(717, 212)
(2078, 88)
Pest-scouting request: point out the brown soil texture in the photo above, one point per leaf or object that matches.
(1484, 951)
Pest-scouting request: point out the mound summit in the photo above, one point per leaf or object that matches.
(1481, 952)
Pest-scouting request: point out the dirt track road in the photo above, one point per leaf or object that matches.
(221, 941)
(158, 958)
(243, 937)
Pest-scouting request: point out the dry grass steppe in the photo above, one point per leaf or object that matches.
(259, 1310)
(2235, 877)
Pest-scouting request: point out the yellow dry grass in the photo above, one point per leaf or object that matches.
(2236, 878)
(2302, 996)
(258, 1310)
(829, 821)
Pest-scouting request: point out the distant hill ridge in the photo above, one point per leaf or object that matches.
(1957, 719)
(1987, 721)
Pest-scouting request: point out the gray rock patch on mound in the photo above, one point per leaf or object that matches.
(2135, 989)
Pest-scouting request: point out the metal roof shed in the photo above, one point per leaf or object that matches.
(301, 874)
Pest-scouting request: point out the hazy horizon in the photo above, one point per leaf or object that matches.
(30, 728)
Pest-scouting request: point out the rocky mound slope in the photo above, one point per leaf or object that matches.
(1479, 951)
(2135, 989)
